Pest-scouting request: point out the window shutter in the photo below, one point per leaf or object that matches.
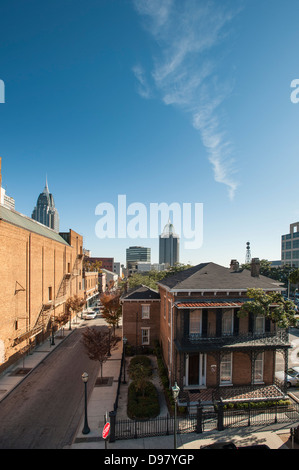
(218, 322)
(186, 322)
(267, 325)
(250, 322)
(236, 322)
(204, 328)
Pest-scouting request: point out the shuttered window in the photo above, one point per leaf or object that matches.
(195, 322)
(226, 369)
(227, 322)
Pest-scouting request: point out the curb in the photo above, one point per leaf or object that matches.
(34, 367)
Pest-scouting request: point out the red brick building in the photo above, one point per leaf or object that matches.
(105, 263)
(141, 317)
(91, 286)
(208, 350)
(39, 270)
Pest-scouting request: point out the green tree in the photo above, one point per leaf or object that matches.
(279, 273)
(140, 374)
(152, 278)
(271, 305)
(294, 277)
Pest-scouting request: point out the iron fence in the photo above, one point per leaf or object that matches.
(261, 416)
(161, 426)
(217, 419)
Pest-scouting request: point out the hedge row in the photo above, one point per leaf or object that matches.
(164, 377)
(255, 405)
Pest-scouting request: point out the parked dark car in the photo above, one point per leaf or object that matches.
(231, 445)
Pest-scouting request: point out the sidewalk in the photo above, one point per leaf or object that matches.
(101, 401)
(21, 369)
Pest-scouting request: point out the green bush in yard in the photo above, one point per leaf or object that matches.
(143, 360)
(145, 404)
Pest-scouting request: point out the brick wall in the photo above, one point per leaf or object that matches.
(32, 268)
(133, 323)
(241, 361)
(91, 283)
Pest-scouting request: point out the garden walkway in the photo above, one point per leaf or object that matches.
(122, 402)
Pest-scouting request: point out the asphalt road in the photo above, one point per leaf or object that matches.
(44, 411)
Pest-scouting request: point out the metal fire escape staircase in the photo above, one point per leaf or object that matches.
(45, 313)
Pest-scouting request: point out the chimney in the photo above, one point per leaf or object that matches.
(234, 265)
(255, 267)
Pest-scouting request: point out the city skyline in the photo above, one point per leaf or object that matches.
(159, 101)
(45, 211)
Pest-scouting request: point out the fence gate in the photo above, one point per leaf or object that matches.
(209, 420)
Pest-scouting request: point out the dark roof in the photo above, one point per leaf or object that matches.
(141, 293)
(20, 220)
(213, 276)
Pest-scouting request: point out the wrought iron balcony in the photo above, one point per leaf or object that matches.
(194, 341)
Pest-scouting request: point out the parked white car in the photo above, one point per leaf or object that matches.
(292, 376)
(90, 315)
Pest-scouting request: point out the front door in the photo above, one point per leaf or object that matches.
(196, 369)
(193, 369)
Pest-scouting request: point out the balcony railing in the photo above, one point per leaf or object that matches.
(277, 338)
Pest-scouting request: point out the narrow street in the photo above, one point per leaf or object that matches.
(44, 411)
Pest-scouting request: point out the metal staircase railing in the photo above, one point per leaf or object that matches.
(45, 313)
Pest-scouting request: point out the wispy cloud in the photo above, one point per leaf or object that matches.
(143, 87)
(184, 71)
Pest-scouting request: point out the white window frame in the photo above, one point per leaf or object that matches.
(259, 329)
(145, 311)
(258, 373)
(229, 323)
(223, 363)
(147, 330)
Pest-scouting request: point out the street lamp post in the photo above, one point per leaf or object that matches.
(52, 339)
(124, 343)
(85, 429)
(109, 351)
(175, 393)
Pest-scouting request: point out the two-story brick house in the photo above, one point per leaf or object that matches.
(208, 350)
(141, 317)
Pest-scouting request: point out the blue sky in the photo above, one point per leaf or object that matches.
(161, 101)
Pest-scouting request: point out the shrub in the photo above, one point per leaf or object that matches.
(143, 405)
(143, 360)
(255, 405)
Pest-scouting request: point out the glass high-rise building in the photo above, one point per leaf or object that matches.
(138, 253)
(290, 246)
(45, 211)
(169, 246)
(134, 254)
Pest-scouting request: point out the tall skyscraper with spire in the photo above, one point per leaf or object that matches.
(169, 245)
(45, 211)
